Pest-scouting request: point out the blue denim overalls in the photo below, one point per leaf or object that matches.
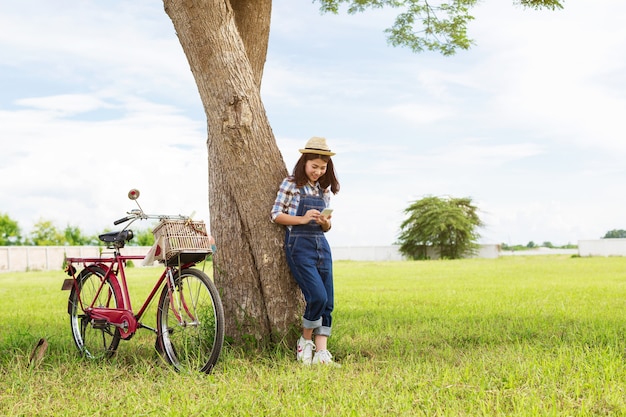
(310, 261)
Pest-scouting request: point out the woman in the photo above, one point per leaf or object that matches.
(299, 202)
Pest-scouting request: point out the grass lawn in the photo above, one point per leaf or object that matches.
(514, 336)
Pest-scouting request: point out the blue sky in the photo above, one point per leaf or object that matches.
(97, 98)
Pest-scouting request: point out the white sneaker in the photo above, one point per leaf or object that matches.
(323, 357)
(305, 350)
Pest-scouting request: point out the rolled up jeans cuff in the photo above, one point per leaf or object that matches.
(322, 331)
(308, 324)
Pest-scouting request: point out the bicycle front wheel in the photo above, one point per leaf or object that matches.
(190, 322)
(93, 338)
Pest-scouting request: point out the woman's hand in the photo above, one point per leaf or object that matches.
(310, 215)
(324, 221)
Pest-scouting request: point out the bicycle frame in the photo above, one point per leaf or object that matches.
(121, 317)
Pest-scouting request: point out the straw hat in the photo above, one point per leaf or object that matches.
(317, 146)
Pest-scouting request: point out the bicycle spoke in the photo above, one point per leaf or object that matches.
(93, 288)
(190, 322)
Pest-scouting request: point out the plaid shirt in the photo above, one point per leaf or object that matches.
(288, 197)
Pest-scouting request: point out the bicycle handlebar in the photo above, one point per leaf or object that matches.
(139, 213)
(122, 220)
(136, 214)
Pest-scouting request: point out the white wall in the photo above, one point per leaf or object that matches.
(539, 251)
(44, 258)
(602, 247)
(367, 253)
(392, 253)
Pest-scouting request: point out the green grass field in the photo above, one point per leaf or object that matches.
(515, 336)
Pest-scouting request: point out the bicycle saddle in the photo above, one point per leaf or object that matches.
(112, 237)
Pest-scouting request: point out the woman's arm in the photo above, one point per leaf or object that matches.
(288, 220)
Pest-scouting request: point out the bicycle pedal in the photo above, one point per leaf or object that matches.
(99, 324)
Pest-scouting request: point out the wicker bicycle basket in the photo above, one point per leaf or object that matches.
(184, 241)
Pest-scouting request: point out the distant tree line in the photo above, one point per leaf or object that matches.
(533, 245)
(611, 234)
(46, 233)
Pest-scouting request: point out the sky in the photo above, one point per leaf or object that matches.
(97, 98)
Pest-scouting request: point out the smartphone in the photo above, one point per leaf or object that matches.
(326, 212)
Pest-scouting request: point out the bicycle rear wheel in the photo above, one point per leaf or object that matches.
(190, 322)
(92, 338)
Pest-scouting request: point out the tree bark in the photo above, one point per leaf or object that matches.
(253, 22)
(226, 44)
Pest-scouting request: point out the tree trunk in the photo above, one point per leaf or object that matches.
(226, 44)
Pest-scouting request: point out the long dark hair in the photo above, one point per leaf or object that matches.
(329, 179)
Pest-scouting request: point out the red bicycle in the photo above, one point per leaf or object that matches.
(190, 317)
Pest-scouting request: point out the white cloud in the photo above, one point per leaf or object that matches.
(418, 113)
(66, 104)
